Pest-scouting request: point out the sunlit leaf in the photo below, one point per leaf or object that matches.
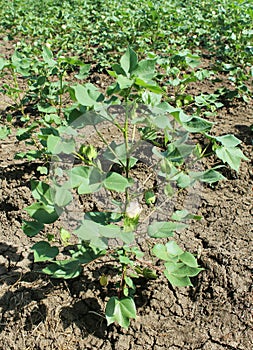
(120, 311)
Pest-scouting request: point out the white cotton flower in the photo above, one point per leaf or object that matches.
(133, 209)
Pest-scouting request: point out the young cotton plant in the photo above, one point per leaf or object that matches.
(135, 110)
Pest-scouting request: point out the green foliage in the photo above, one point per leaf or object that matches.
(114, 232)
(120, 311)
(65, 39)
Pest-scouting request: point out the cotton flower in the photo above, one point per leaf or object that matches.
(133, 209)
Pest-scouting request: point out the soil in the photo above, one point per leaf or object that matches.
(38, 313)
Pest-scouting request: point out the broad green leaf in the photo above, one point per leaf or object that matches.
(97, 234)
(162, 121)
(103, 218)
(43, 213)
(86, 253)
(42, 192)
(145, 70)
(148, 273)
(4, 132)
(92, 183)
(43, 170)
(62, 196)
(188, 259)
(65, 235)
(164, 229)
(3, 63)
(43, 251)
(117, 69)
(32, 228)
(84, 71)
(151, 87)
(87, 95)
(77, 175)
(46, 108)
(209, 176)
(129, 61)
(168, 251)
(120, 311)
(178, 281)
(48, 56)
(197, 124)
(231, 155)
(116, 182)
(173, 249)
(116, 153)
(228, 140)
(193, 61)
(66, 269)
(129, 282)
(183, 180)
(126, 237)
(181, 215)
(57, 145)
(87, 179)
(124, 82)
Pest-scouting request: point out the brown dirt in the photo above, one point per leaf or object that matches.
(215, 314)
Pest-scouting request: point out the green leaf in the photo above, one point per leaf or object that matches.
(117, 69)
(43, 170)
(87, 95)
(181, 215)
(127, 237)
(62, 196)
(43, 251)
(116, 153)
(129, 61)
(32, 228)
(120, 311)
(43, 213)
(66, 269)
(148, 273)
(3, 63)
(87, 179)
(4, 132)
(173, 249)
(188, 259)
(92, 183)
(168, 251)
(209, 176)
(145, 69)
(42, 192)
(48, 56)
(178, 273)
(164, 229)
(197, 124)
(57, 145)
(116, 182)
(150, 197)
(86, 253)
(96, 234)
(77, 175)
(65, 235)
(151, 87)
(228, 140)
(129, 282)
(124, 82)
(178, 281)
(183, 180)
(231, 155)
